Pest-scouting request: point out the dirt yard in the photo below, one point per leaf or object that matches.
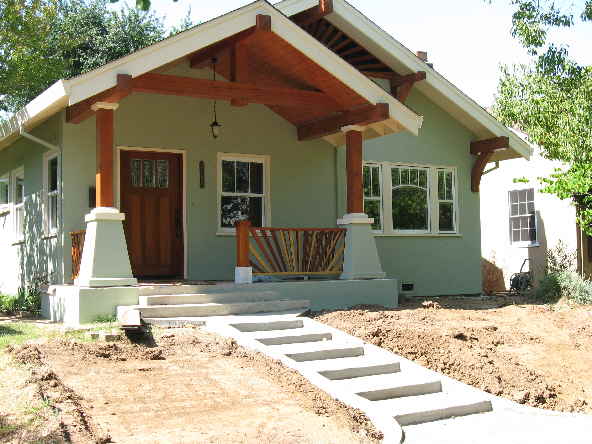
(185, 386)
(533, 354)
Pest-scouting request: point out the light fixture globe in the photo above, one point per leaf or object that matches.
(215, 127)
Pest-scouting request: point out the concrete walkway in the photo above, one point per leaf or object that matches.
(407, 402)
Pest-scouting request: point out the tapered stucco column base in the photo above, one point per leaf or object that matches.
(360, 259)
(105, 260)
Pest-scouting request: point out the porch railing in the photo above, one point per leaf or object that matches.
(77, 246)
(290, 251)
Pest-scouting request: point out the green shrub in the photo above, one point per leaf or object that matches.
(28, 298)
(8, 304)
(566, 285)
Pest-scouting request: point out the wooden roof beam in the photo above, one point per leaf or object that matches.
(484, 150)
(204, 56)
(332, 124)
(401, 85)
(83, 110)
(242, 92)
(313, 14)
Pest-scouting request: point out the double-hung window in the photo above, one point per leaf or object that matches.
(19, 203)
(52, 193)
(243, 190)
(5, 193)
(373, 194)
(523, 227)
(411, 199)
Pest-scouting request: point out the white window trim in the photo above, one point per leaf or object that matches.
(387, 206)
(20, 171)
(266, 161)
(381, 197)
(47, 157)
(5, 208)
(522, 244)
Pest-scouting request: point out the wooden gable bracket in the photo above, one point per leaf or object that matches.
(484, 150)
(330, 125)
(81, 111)
(401, 85)
(203, 57)
(313, 14)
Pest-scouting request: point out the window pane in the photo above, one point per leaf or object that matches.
(367, 182)
(241, 208)
(242, 177)
(423, 178)
(148, 173)
(524, 234)
(530, 194)
(376, 181)
(53, 212)
(514, 210)
(515, 223)
(514, 196)
(4, 187)
(441, 191)
(522, 208)
(162, 173)
(53, 175)
(136, 172)
(532, 233)
(530, 207)
(19, 190)
(256, 178)
(372, 209)
(414, 177)
(395, 173)
(446, 216)
(515, 235)
(448, 176)
(405, 176)
(522, 195)
(228, 176)
(410, 208)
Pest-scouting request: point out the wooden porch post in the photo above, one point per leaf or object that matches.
(104, 174)
(242, 243)
(354, 147)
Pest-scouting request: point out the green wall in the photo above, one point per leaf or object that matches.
(436, 265)
(38, 256)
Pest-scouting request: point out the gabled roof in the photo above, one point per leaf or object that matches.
(72, 91)
(392, 53)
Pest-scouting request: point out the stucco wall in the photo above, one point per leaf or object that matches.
(436, 265)
(303, 178)
(555, 218)
(37, 256)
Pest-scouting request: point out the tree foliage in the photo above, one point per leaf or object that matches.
(42, 41)
(551, 100)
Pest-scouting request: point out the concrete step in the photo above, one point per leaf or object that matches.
(207, 298)
(295, 336)
(433, 407)
(358, 367)
(317, 351)
(268, 326)
(389, 386)
(212, 309)
(175, 322)
(172, 289)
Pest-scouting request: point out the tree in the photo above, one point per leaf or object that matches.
(42, 41)
(551, 100)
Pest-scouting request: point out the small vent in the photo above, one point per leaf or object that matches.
(407, 287)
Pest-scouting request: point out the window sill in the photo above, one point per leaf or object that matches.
(525, 245)
(418, 234)
(226, 233)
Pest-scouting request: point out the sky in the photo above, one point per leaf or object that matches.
(466, 40)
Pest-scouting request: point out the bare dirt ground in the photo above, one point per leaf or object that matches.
(186, 386)
(534, 354)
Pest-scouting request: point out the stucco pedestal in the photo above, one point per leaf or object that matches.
(360, 259)
(243, 275)
(105, 261)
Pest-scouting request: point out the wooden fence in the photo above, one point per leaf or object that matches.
(77, 246)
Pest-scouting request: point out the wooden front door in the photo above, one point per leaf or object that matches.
(151, 198)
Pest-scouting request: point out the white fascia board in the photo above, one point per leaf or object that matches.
(393, 53)
(52, 100)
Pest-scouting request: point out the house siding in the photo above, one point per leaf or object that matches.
(37, 256)
(436, 265)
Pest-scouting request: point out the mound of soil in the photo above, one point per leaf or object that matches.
(529, 354)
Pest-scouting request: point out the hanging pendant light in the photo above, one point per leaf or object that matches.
(215, 126)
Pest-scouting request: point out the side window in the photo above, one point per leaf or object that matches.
(52, 193)
(19, 203)
(446, 201)
(373, 194)
(4, 193)
(523, 228)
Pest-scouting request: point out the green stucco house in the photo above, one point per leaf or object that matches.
(302, 115)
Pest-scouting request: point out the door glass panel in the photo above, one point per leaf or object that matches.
(136, 172)
(162, 173)
(148, 173)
